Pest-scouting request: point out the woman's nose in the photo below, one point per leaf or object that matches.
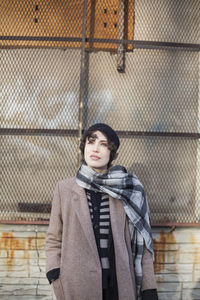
(96, 147)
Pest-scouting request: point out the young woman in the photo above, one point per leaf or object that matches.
(99, 243)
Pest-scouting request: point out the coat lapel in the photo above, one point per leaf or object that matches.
(117, 216)
(80, 204)
(118, 221)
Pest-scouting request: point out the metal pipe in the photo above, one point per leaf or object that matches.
(75, 133)
(120, 48)
(136, 43)
(22, 222)
(172, 225)
(82, 80)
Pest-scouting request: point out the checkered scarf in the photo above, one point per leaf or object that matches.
(128, 189)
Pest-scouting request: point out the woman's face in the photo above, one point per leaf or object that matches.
(96, 152)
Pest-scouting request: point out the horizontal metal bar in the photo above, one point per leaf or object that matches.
(175, 224)
(41, 38)
(164, 45)
(136, 43)
(147, 44)
(74, 132)
(23, 222)
(124, 134)
(38, 207)
(46, 222)
(38, 132)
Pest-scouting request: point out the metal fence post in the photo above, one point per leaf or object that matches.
(120, 49)
(82, 79)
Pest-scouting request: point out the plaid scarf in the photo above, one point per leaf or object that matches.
(128, 189)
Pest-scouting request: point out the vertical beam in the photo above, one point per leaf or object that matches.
(120, 49)
(82, 79)
(197, 202)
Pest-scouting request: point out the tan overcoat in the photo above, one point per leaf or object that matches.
(71, 246)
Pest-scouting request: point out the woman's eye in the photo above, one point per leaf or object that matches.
(90, 141)
(104, 145)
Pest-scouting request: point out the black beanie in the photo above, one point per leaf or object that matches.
(109, 132)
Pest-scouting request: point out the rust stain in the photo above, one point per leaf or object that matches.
(41, 243)
(11, 244)
(164, 247)
(30, 240)
(196, 255)
(8, 242)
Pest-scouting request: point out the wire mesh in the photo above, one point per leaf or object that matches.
(168, 168)
(31, 166)
(169, 21)
(41, 23)
(109, 20)
(158, 92)
(62, 71)
(35, 91)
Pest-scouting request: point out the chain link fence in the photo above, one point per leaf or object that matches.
(134, 65)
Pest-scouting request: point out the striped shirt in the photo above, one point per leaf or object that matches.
(100, 216)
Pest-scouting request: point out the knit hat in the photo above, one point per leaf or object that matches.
(109, 132)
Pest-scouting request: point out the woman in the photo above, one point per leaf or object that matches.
(99, 243)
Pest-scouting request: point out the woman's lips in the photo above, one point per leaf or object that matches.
(94, 157)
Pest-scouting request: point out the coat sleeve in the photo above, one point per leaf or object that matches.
(148, 277)
(54, 234)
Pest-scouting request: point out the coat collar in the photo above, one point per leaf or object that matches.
(117, 217)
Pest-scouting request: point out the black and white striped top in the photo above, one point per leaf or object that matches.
(100, 216)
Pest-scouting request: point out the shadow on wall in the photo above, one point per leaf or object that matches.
(195, 294)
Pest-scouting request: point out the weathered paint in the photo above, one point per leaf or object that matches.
(166, 245)
(196, 257)
(162, 246)
(177, 262)
(22, 261)
(12, 244)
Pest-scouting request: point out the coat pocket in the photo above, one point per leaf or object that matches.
(58, 289)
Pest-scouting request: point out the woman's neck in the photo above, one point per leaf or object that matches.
(101, 171)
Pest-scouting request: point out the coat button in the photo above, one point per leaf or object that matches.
(95, 208)
(96, 226)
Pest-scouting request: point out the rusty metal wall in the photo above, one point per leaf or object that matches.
(134, 65)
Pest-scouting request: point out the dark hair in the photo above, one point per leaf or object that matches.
(111, 146)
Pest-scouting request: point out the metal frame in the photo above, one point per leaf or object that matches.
(136, 43)
(121, 42)
(171, 225)
(82, 79)
(76, 133)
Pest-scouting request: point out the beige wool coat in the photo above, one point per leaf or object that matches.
(71, 246)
